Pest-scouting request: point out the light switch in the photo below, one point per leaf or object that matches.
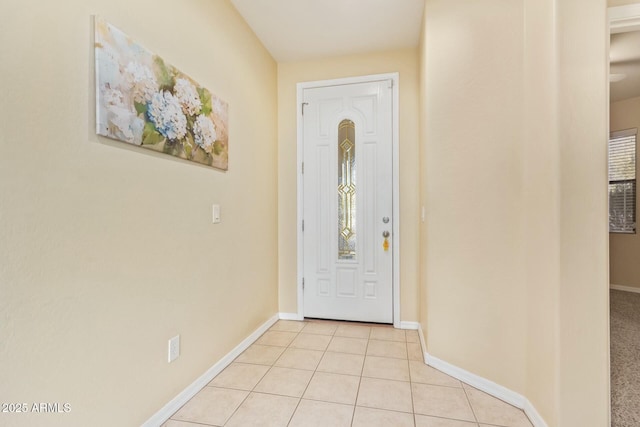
(216, 214)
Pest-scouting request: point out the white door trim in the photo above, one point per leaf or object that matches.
(396, 181)
(623, 19)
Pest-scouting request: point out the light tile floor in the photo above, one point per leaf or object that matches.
(334, 374)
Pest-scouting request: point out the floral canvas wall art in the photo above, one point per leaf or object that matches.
(144, 101)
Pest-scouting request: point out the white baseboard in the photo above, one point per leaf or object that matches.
(290, 316)
(410, 325)
(170, 408)
(489, 387)
(624, 288)
(477, 381)
(535, 418)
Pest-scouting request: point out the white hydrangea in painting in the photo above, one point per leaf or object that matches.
(140, 82)
(124, 122)
(188, 97)
(204, 132)
(144, 101)
(220, 108)
(166, 114)
(112, 97)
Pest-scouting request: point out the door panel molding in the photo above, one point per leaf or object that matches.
(393, 78)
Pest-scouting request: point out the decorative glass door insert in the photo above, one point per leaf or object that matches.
(346, 190)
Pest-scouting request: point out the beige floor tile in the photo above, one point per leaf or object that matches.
(211, 406)
(287, 326)
(412, 336)
(311, 341)
(388, 334)
(320, 328)
(333, 388)
(421, 373)
(348, 345)
(414, 351)
(276, 338)
(260, 354)
(174, 423)
(300, 358)
(387, 349)
(386, 368)
(240, 376)
(385, 394)
(264, 410)
(425, 421)
(490, 410)
(353, 331)
(311, 413)
(341, 363)
(438, 401)
(368, 417)
(285, 382)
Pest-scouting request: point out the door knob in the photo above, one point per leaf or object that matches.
(385, 234)
(385, 219)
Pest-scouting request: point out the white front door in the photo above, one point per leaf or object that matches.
(348, 202)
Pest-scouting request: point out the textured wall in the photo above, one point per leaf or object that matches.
(513, 173)
(472, 149)
(108, 250)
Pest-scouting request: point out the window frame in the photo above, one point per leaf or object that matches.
(617, 135)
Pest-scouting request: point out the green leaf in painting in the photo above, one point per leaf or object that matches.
(188, 145)
(140, 108)
(150, 135)
(205, 97)
(170, 147)
(164, 74)
(217, 148)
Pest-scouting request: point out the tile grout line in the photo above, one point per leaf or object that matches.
(254, 387)
(310, 379)
(274, 363)
(470, 405)
(413, 407)
(364, 360)
(261, 378)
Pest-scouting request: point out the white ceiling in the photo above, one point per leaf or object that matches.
(625, 59)
(297, 30)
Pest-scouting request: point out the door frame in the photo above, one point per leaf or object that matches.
(395, 136)
(624, 18)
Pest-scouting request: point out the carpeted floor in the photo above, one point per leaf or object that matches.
(625, 359)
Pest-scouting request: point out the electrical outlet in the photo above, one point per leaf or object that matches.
(174, 348)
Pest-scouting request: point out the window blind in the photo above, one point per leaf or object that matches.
(622, 181)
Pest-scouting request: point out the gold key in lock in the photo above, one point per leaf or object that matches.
(385, 244)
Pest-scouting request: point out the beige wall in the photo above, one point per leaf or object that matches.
(289, 74)
(472, 123)
(108, 250)
(513, 153)
(584, 279)
(541, 203)
(624, 248)
(614, 3)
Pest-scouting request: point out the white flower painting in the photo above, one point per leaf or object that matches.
(144, 101)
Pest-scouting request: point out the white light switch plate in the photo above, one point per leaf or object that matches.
(216, 214)
(174, 348)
